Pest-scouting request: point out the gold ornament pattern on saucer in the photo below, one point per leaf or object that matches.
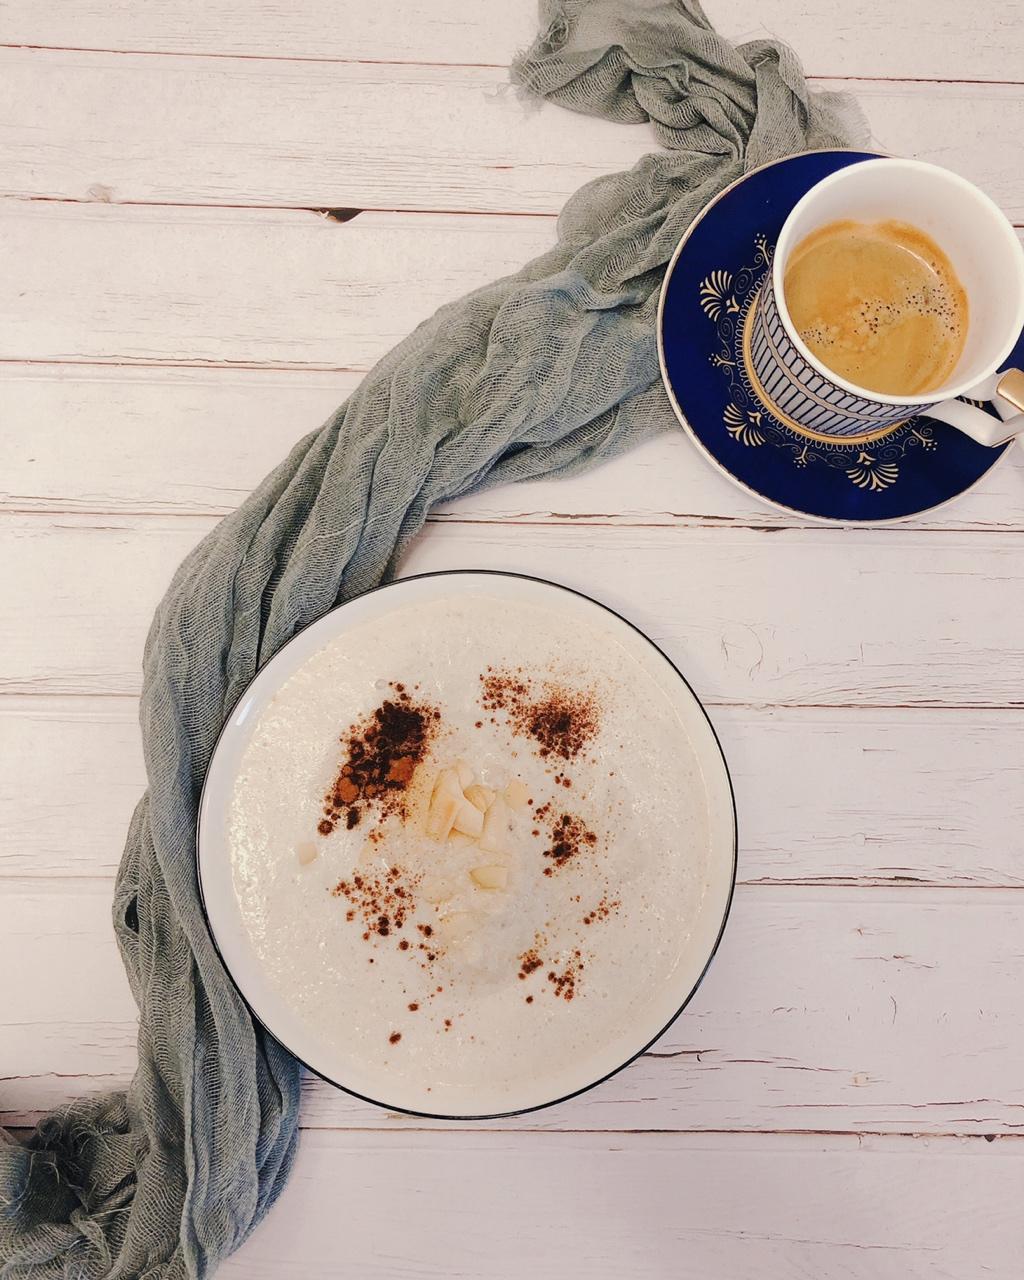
(726, 298)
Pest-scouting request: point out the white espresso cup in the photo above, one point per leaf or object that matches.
(987, 257)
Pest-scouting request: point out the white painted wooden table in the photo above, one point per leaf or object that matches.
(845, 1096)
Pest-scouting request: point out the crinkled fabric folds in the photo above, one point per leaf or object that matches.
(543, 373)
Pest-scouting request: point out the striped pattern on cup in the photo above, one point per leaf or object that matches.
(797, 393)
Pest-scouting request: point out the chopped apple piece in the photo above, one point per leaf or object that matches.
(464, 773)
(435, 791)
(306, 853)
(480, 796)
(495, 834)
(446, 810)
(493, 877)
(469, 951)
(517, 793)
(457, 925)
(438, 888)
(444, 805)
(469, 820)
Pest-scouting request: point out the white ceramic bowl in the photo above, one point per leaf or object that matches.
(224, 913)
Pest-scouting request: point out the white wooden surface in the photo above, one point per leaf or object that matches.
(845, 1096)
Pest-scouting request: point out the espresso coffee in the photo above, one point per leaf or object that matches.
(879, 304)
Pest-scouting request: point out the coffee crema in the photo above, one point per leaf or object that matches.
(879, 304)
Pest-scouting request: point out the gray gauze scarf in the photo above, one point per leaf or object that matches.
(543, 373)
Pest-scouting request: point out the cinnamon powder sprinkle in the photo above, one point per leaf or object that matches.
(565, 982)
(561, 720)
(602, 911)
(563, 978)
(382, 902)
(570, 836)
(394, 1037)
(382, 754)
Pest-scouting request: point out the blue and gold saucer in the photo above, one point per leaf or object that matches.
(709, 286)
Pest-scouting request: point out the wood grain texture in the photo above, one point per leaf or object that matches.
(436, 138)
(105, 284)
(175, 441)
(354, 135)
(785, 617)
(824, 796)
(825, 1010)
(944, 39)
(664, 1205)
(197, 441)
(821, 617)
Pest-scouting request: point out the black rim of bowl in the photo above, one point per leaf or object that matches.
(575, 1093)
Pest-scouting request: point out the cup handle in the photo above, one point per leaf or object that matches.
(1006, 391)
